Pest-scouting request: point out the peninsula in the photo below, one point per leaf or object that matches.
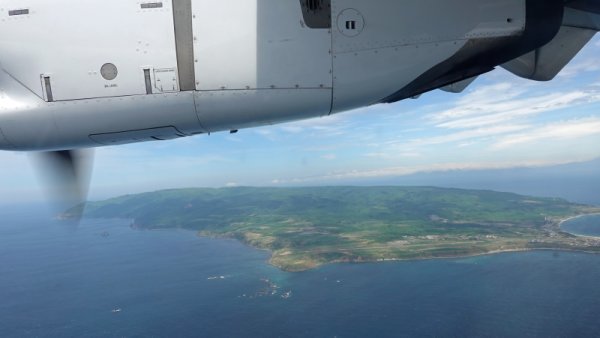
(308, 227)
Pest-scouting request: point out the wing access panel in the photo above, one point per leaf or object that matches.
(68, 50)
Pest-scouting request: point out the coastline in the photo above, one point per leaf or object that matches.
(317, 265)
(391, 260)
(560, 222)
(560, 226)
(557, 223)
(273, 255)
(310, 264)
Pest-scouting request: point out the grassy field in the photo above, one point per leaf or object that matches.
(307, 227)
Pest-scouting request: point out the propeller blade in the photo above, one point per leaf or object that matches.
(66, 175)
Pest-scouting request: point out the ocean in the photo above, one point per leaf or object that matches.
(584, 226)
(108, 280)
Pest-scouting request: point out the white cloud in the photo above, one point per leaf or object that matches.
(293, 129)
(379, 155)
(466, 144)
(576, 68)
(318, 122)
(496, 111)
(267, 133)
(479, 101)
(409, 170)
(321, 148)
(322, 127)
(410, 154)
(231, 185)
(465, 135)
(263, 131)
(393, 155)
(566, 130)
(329, 157)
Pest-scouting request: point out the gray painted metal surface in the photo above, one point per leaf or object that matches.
(184, 42)
(187, 67)
(581, 19)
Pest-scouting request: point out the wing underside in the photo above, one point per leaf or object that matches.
(580, 23)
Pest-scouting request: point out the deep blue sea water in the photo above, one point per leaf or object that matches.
(58, 283)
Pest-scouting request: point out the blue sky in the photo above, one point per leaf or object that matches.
(501, 121)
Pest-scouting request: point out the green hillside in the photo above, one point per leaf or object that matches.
(306, 227)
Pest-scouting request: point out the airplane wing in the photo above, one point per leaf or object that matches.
(580, 24)
(81, 74)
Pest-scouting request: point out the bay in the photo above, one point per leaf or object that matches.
(584, 225)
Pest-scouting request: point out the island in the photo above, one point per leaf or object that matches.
(304, 228)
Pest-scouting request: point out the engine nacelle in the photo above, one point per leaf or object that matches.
(102, 72)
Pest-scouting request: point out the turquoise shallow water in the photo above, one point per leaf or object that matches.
(585, 225)
(59, 283)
